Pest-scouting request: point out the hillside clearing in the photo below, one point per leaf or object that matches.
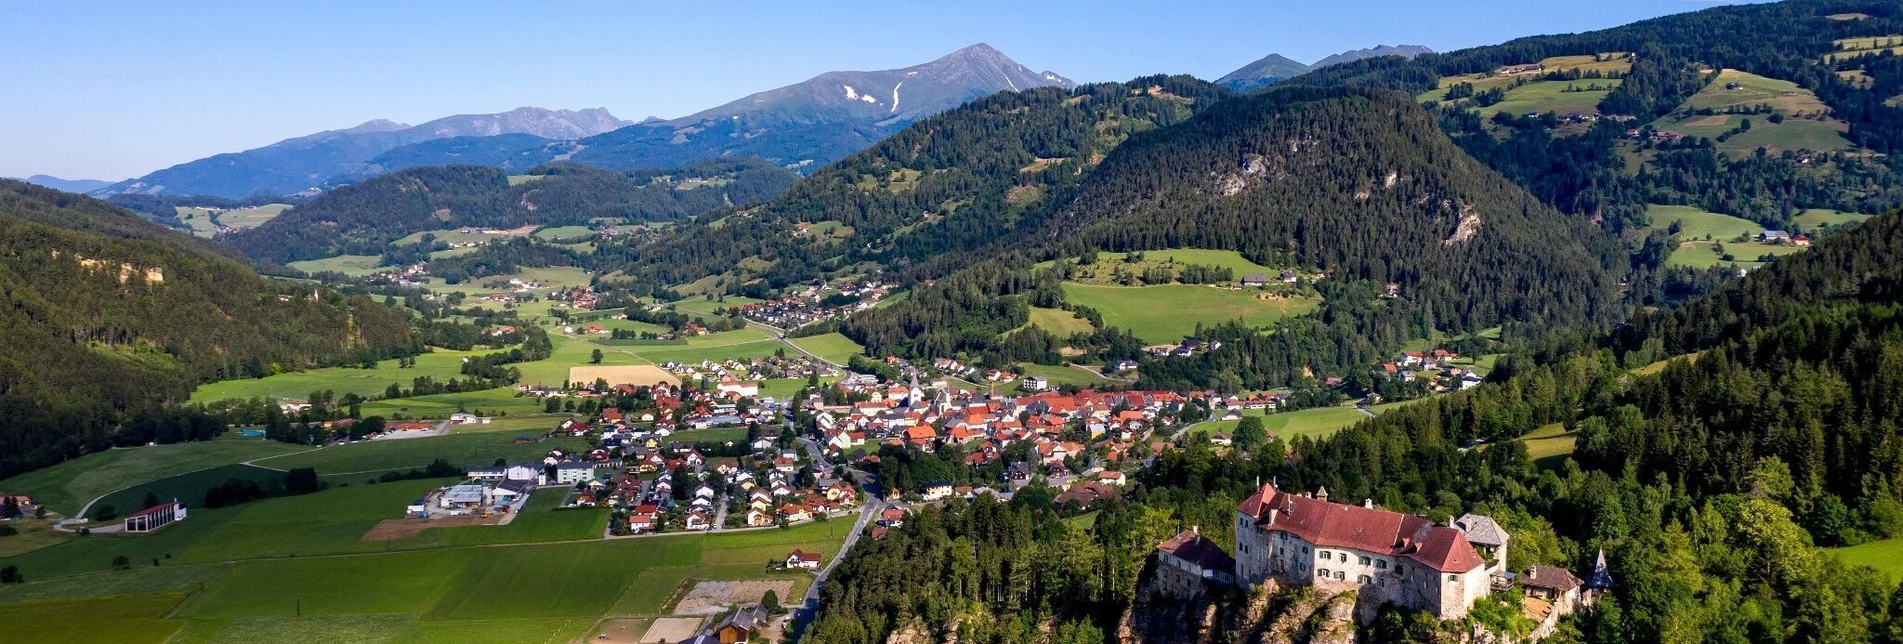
(1168, 313)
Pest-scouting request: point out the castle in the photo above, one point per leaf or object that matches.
(1388, 557)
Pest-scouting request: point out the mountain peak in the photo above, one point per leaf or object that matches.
(977, 51)
(376, 125)
(1404, 51)
(1265, 70)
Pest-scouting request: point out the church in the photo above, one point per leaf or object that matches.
(1388, 557)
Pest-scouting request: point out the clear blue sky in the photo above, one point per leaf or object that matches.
(92, 89)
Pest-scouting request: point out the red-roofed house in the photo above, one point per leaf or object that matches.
(1397, 558)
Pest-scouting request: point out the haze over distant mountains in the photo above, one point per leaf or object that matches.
(1276, 67)
(303, 163)
(68, 185)
(822, 119)
(806, 124)
(811, 123)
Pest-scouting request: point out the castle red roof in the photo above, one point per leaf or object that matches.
(1336, 525)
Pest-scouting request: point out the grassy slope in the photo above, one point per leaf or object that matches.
(527, 592)
(1701, 229)
(1162, 314)
(1316, 423)
(831, 346)
(69, 485)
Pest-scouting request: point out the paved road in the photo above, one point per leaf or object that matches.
(810, 606)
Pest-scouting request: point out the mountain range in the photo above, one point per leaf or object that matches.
(1275, 67)
(68, 185)
(308, 162)
(810, 123)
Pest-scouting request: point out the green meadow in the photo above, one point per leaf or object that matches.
(69, 485)
(546, 577)
(1064, 375)
(1821, 218)
(556, 233)
(1560, 97)
(352, 265)
(833, 347)
(1702, 233)
(440, 364)
(460, 449)
(1058, 322)
(200, 220)
(1315, 423)
(1806, 125)
(252, 217)
(1885, 555)
(1550, 443)
(1168, 313)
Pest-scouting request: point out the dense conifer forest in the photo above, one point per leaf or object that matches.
(108, 313)
(365, 218)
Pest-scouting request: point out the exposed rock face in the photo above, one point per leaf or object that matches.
(1267, 615)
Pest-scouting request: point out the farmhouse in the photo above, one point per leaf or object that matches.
(1387, 556)
(155, 517)
(803, 560)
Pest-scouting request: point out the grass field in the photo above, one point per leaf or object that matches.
(92, 554)
(553, 233)
(487, 402)
(1802, 129)
(200, 220)
(440, 364)
(1701, 229)
(1063, 375)
(1699, 224)
(457, 236)
(1316, 423)
(352, 265)
(1866, 46)
(33, 535)
(1885, 555)
(1168, 313)
(833, 347)
(525, 592)
(1552, 96)
(1103, 271)
(252, 217)
(69, 485)
(1059, 322)
(1820, 218)
(1538, 95)
(128, 620)
(189, 488)
(742, 344)
(404, 583)
(1550, 444)
(481, 448)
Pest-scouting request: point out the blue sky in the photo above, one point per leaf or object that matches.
(111, 90)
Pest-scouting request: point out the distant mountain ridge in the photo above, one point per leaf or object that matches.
(81, 186)
(306, 162)
(821, 119)
(1276, 67)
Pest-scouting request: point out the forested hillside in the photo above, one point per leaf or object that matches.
(365, 218)
(1595, 169)
(106, 313)
(1708, 483)
(951, 183)
(1356, 185)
